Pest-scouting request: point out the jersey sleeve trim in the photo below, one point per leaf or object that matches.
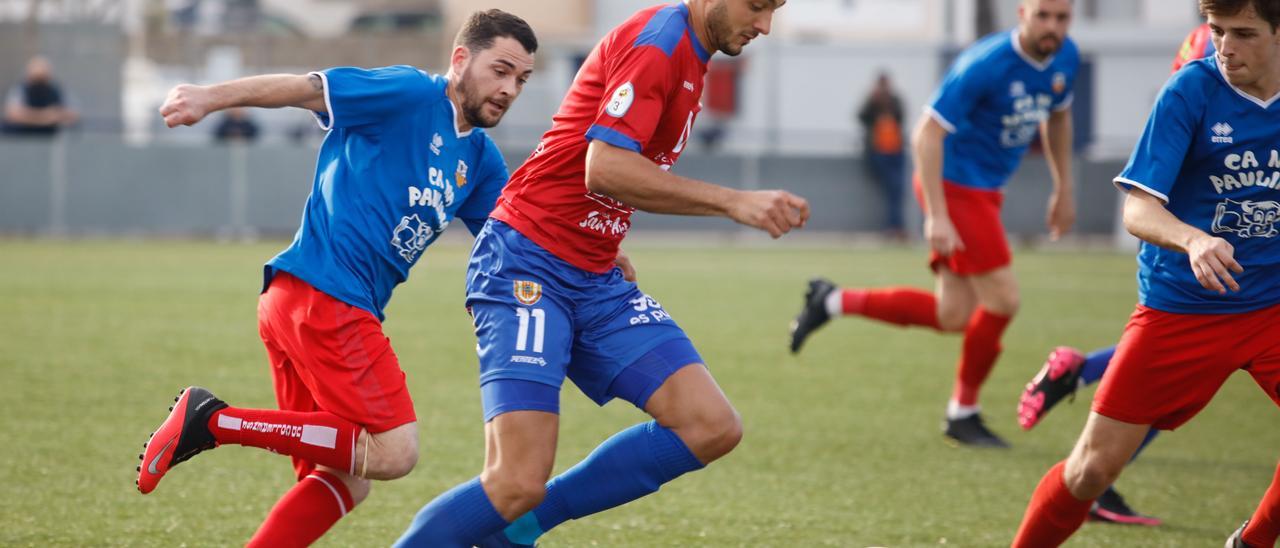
(325, 121)
(613, 137)
(938, 117)
(1124, 184)
(1066, 103)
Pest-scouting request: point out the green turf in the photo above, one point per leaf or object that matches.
(842, 444)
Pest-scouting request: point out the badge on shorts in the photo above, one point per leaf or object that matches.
(621, 100)
(528, 293)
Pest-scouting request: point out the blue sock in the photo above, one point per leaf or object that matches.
(1095, 364)
(456, 519)
(633, 463)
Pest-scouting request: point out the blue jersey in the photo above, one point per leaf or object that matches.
(992, 102)
(392, 173)
(1212, 154)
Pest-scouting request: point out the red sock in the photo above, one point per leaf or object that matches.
(1264, 526)
(304, 513)
(903, 306)
(319, 437)
(1053, 513)
(980, 350)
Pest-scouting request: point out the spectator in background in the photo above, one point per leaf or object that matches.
(236, 126)
(881, 119)
(37, 105)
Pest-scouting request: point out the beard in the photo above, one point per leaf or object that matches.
(721, 33)
(1044, 50)
(473, 105)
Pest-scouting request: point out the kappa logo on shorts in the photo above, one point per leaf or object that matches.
(526, 292)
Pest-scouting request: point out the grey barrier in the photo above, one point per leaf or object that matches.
(91, 185)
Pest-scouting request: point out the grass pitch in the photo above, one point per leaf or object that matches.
(842, 446)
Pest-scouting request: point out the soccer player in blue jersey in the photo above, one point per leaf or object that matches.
(549, 304)
(405, 155)
(997, 97)
(1202, 190)
(1067, 369)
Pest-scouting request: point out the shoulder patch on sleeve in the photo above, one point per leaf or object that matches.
(620, 101)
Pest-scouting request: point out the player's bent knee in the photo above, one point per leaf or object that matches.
(1092, 474)
(953, 320)
(392, 454)
(514, 493)
(716, 435)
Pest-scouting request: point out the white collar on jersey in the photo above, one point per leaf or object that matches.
(1038, 65)
(453, 109)
(1223, 72)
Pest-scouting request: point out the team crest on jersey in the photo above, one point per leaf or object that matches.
(527, 293)
(620, 101)
(1247, 219)
(1059, 82)
(461, 174)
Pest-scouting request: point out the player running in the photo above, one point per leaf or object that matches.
(1067, 369)
(1199, 196)
(549, 303)
(405, 155)
(999, 93)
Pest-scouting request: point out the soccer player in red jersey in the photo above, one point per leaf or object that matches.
(1197, 45)
(1205, 209)
(997, 95)
(550, 304)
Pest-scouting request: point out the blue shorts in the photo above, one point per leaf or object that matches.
(539, 319)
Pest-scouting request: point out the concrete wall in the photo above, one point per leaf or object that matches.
(82, 185)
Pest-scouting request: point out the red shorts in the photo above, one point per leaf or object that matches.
(1168, 366)
(976, 215)
(327, 355)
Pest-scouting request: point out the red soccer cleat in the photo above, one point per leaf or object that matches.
(183, 434)
(1059, 378)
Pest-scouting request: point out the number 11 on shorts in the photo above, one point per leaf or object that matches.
(539, 329)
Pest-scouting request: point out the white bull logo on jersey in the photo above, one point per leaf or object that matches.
(411, 236)
(1247, 219)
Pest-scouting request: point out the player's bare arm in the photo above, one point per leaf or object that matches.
(926, 142)
(188, 104)
(1057, 135)
(1212, 259)
(630, 178)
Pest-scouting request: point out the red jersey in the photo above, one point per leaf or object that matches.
(1198, 45)
(639, 90)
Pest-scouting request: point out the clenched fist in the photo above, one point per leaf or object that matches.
(186, 105)
(773, 211)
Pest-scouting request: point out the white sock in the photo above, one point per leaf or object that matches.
(835, 303)
(955, 411)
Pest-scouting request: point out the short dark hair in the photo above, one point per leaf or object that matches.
(1268, 10)
(482, 27)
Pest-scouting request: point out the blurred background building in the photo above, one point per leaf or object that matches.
(783, 112)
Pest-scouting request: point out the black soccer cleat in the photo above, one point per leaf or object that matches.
(1111, 508)
(182, 435)
(972, 432)
(1236, 540)
(1057, 379)
(814, 314)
